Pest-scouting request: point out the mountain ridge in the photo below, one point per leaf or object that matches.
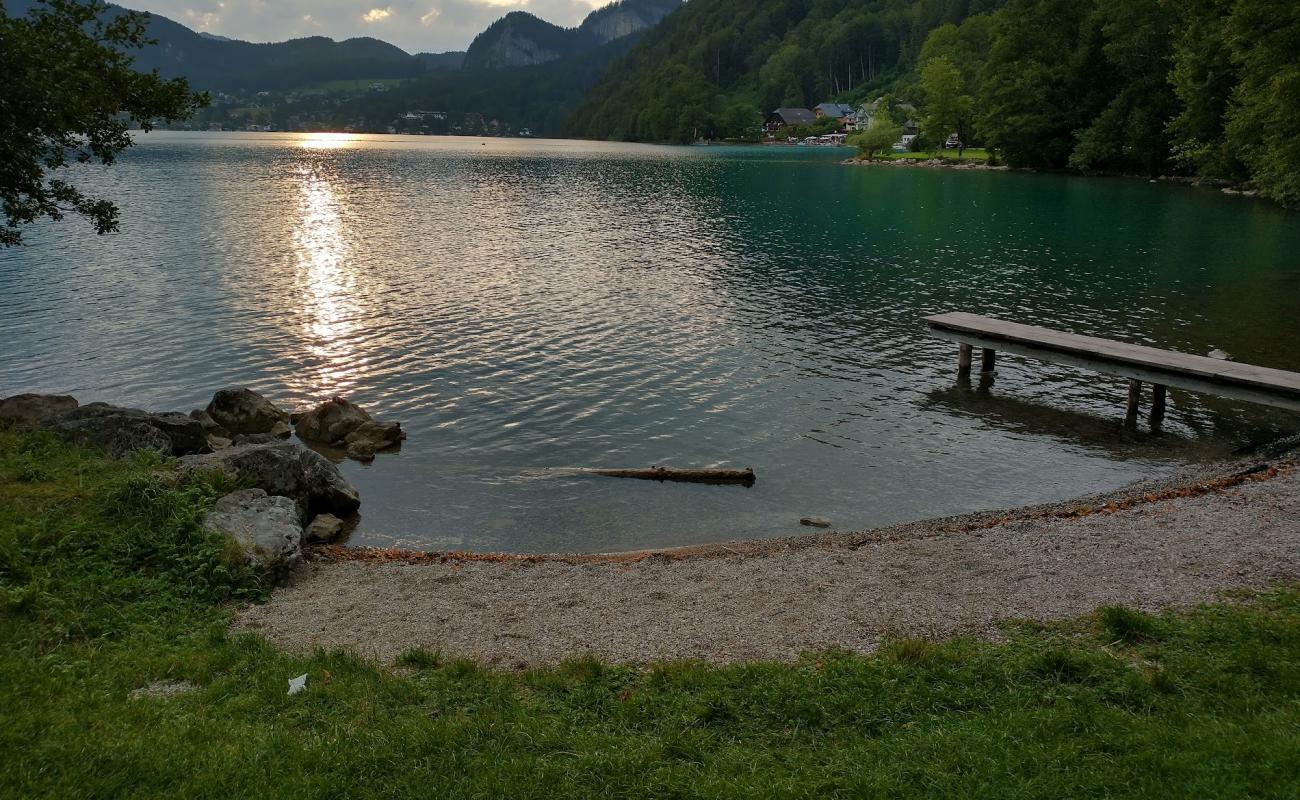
(521, 39)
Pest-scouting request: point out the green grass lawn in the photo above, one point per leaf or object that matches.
(970, 154)
(107, 584)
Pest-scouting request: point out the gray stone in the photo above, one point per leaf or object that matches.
(267, 528)
(371, 437)
(815, 522)
(241, 410)
(29, 409)
(325, 528)
(285, 469)
(122, 430)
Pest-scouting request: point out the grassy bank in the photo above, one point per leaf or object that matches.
(107, 585)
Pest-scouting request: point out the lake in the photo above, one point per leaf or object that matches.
(522, 306)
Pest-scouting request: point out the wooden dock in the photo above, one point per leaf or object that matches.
(1160, 368)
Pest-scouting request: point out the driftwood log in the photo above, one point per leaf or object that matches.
(744, 477)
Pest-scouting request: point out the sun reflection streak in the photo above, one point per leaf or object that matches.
(326, 282)
(326, 141)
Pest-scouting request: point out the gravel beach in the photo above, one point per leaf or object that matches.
(1172, 543)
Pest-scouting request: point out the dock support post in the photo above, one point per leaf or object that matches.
(963, 360)
(988, 360)
(1158, 393)
(1134, 397)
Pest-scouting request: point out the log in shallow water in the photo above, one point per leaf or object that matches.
(743, 477)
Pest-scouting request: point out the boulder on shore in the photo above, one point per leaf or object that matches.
(338, 422)
(239, 410)
(325, 528)
(267, 528)
(122, 430)
(330, 422)
(371, 437)
(284, 469)
(30, 409)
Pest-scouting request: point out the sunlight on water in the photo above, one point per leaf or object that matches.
(326, 281)
(522, 306)
(326, 141)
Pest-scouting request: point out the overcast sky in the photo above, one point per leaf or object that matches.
(413, 25)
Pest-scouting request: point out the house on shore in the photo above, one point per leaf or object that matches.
(787, 117)
(842, 113)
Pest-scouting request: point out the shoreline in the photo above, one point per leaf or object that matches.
(1166, 543)
(1193, 480)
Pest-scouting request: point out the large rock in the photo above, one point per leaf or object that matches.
(287, 470)
(330, 422)
(267, 528)
(371, 437)
(122, 430)
(340, 423)
(325, 528)
(240, 410)
(30, 409)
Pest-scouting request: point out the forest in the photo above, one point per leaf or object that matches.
(1199, 88)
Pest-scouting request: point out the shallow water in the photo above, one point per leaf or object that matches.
(525, 305)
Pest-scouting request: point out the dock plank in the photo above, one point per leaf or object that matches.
(1138, 362)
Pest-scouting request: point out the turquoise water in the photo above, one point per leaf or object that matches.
(526, 305)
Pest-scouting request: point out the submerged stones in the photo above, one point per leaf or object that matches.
(342, 424)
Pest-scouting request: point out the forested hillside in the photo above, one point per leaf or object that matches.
(1209, 88)
(717, 65)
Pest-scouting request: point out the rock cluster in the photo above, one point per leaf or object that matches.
(342, 424)
(123, 430)
(284, 487)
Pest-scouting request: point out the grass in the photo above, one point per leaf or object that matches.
(108, 585)
(971, 154)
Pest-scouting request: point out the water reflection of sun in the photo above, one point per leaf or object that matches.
(326, 141)
(326, 280)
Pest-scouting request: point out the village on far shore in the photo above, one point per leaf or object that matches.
(831, 125)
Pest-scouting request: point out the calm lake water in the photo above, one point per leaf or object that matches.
(525, 305)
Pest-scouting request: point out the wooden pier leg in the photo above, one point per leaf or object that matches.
(988, 360)
(1134, 397)
(963, 360)
(1158, 393)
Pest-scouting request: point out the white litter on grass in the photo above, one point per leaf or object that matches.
(298, 684)
(1219, 354)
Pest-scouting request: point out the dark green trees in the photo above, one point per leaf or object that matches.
(69, 96)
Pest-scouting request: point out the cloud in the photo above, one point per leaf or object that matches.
(413, 25)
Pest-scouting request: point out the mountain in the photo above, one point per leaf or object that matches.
(520, 39)
(539, 98)
(716, 66)
(222, 64)
(626, 17)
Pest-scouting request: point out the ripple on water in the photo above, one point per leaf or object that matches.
(531, 305)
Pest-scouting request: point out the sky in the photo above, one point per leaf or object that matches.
(414, 25)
